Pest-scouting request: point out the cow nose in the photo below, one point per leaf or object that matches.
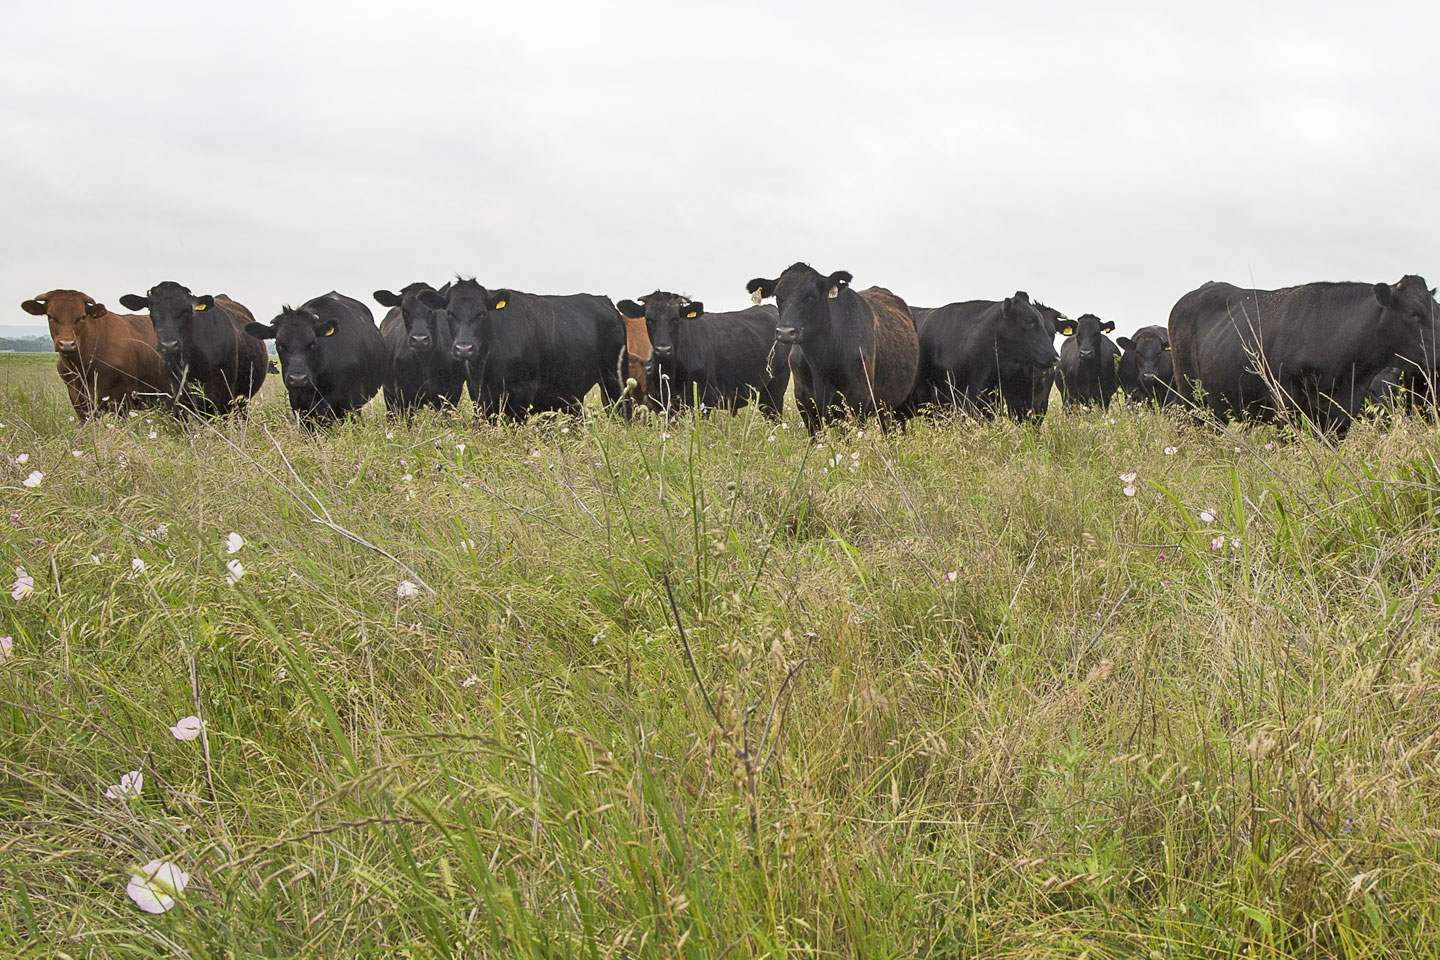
(464, 351)
(1086, 353)
(419, 341)
(65, 346)
(295, 379)
(663, 352)
(169, 346)
(785, 334)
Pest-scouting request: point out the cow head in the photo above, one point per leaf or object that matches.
(299, 336)
(1088, 332)
(1151, 349)
(469, 307)
(174, 310)
(804, 297)
(1024, 341)
(666, 315)
(427, 328)
(68, 312)
(1407, 324)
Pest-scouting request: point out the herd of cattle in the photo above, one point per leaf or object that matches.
(1322, 349)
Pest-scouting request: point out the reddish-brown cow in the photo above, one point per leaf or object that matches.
(637, 357)
(106, 359)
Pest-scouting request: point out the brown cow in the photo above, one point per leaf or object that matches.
(106, 359)
(636, 359)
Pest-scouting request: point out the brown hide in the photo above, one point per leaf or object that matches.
(897, 348)
(637, 355)
(105, 359)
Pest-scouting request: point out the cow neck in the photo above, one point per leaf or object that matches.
(833, 358)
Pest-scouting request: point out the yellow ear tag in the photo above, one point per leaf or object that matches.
(691, 315)
(755, 298)
(500, 305)
(834, 291)
(199, 307)
(330, 332)
(1167, 346)
(1069, 330)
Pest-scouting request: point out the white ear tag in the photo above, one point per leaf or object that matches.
(755, 297)
(834, 291)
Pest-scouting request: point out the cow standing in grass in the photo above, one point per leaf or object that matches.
(332, 358)
(523, 353)
(850, 353)
(634, 363)
(1147, 374)
(421, 370)
(1313, 349)
(212, 366)
(1088, 360)
(985, 356)
(723, 359)
(106, 360)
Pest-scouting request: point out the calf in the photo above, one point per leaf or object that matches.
(849, 351)
(213, 367)
(1146, 372)
(522, 353)
(105, 359)
(723, 359)
(985, 356)
(420, 369)
(1087, 361)
(332, 358)
(1315, 349)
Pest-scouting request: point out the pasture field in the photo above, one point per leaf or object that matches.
(1027, 714)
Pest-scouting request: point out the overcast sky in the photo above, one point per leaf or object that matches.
(1105, 157)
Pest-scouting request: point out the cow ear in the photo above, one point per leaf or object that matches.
(1063, 326)
(434, 299)
(498, 299)
(133, 301)
(631, 309)
(693, 309)
(260, 331)
(1384, 295)
(1108, 326)
(95, 310)
(1125, 343)
(324, 326)
(838, 281)
(760, 288)
(33, 307)
(386, 298)
(204, 303)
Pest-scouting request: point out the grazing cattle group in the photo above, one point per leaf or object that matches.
(1321, 350)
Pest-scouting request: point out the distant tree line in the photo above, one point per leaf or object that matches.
(26, 345)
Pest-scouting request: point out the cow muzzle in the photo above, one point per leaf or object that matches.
(1086, 354)
(464, 351)
(662, 353)
(66, 346)
(296, 380)
(168, 347)
(785, 335)
(420, 342)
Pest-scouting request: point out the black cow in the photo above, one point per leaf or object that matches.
(1314, 348)
(522, 353)
(421, 369)
(1147, 374)
(212, 366)
(984, 355)
(331, 356)
(723, 358)
(1088, 359)
(848, 351)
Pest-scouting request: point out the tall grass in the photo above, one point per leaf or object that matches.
(1027, 715)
